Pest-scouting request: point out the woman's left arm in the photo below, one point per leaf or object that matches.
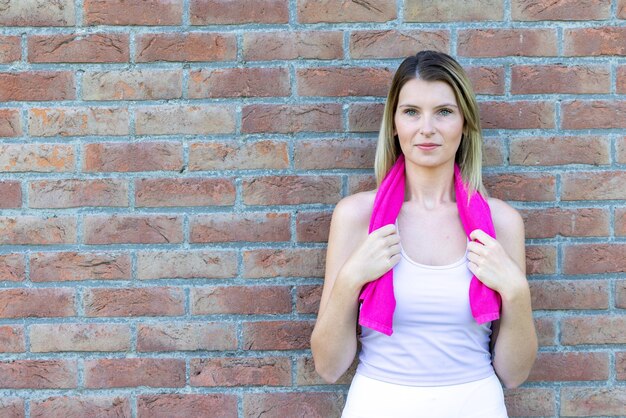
(501, 265)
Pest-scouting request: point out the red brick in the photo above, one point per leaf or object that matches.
(292, 404)
(307, 376)
(133, 229)
(97, 47)
(569, 294)
(594, 41)
(233, 371)
(287, 262)
(560, 10)
(554, 367)
(225, 12)
(620, 365)
(265, 118)
(561, 150)
(37, 302)
(620, 296)
(594, 258)
(507, 42)
(487, 80)
(10, 123)
(589, 114)
(71, 193)
(550, 222)
(492, 152)
(312, 226)
(606, 185)
(522, 187)
(238, 155)
(133, 372)
(11, 193)
(396, 44)
(188, 406)
(546, 331)
(599, 329)
(343, 81)
(621, 149)
(37, 86)
(530, 402)
(36, 13)
(133, 12)
(277, 335)
(540, 259)
(132, 85)
(239, 82)
(80, 406)
(186, 336)
(10, 49)
(291, 190)
(517, 115)
(247, 300)
(38, 374)
(547, 79)
(71, 266)
(335, 153)
(143, 301)
(41, 158)
(621, 77)
(12, 340)
(587, 402)
(12, 407)
(453, 11)
(233, 227)
(315, 11)
(190, 46)
(138, 156)
(620, 221)
(197, 264)
(191, 120)
(291, 45)
(78, 121)
(365, 117)
(12, 267)
(621, 9)
(361, 183)
(79, 337)
(154, 192)
(308, 298)
(33, 230)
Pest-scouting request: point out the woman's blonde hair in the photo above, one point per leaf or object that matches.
(434, 66)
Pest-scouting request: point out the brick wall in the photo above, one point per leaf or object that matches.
(168, 169)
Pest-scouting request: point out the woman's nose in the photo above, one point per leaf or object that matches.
(427, 128)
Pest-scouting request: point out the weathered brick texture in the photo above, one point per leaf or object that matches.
(169, 170)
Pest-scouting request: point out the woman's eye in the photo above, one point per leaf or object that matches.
(445, 112)
(410, 112)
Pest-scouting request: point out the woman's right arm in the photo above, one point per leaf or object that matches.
(353, 258)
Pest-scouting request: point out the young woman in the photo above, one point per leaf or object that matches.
(439, 361)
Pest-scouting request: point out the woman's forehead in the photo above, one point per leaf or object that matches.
(418, 92)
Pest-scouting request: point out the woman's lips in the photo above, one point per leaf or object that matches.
(427, 147)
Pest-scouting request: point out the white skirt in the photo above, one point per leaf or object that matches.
(371, 398)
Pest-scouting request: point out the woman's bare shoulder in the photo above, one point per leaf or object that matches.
(355, 209)
(506, 219)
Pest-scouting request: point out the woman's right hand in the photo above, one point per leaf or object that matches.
(376, 255)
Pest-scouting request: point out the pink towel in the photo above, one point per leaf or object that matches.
(377, 296)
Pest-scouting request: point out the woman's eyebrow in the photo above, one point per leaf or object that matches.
(441, 105)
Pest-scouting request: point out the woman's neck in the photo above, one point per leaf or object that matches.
(429, 187)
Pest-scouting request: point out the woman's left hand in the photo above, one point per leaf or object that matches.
(491, 264)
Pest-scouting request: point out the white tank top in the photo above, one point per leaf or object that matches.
(435, 341)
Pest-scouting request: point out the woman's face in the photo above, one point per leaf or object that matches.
(428, 122)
